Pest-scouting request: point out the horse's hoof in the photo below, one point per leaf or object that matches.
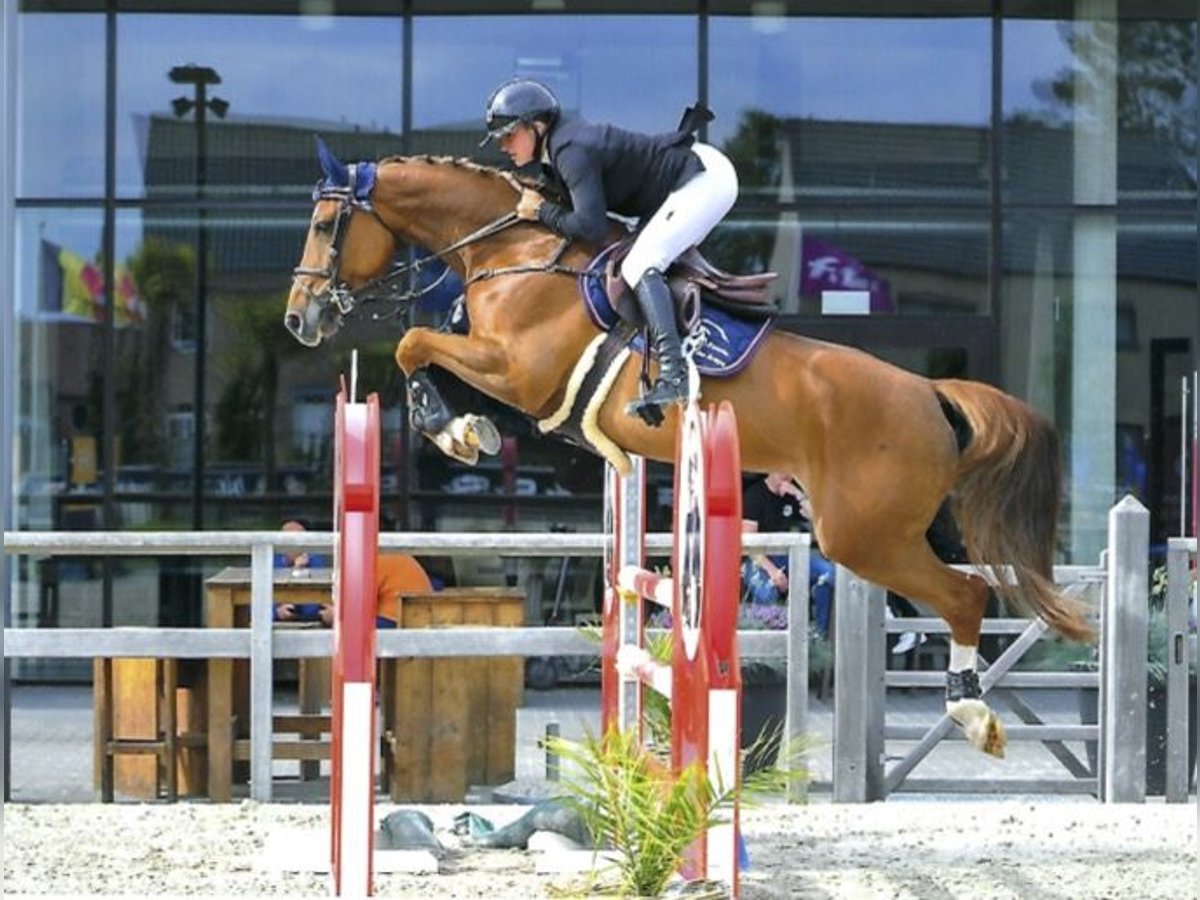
(454, 449)
(981, 727)
(481, 433)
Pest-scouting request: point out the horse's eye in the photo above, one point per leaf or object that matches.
(325, 226)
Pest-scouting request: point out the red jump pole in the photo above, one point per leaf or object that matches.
(356, 520)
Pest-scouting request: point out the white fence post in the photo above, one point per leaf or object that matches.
(796, 721)
(1123, 655)
(631, 552)
(262, 659)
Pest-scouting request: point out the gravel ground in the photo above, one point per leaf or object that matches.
(919, 849)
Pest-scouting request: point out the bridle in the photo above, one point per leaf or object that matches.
(347, 196)
(355, 195)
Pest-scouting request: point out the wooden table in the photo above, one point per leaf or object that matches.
(459, 715)
(227, 605)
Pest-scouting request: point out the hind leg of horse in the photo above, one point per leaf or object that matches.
(914, 571)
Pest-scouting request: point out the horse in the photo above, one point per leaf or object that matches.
(879, 450)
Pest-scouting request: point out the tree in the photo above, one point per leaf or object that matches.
(754, 151)
(164, 273)
(1155, 79)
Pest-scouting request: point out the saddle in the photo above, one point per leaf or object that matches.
(692, 277)
(725, 331)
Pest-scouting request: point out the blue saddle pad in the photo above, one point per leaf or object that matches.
(726, 344)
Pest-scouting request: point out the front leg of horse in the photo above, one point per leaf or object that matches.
(460, 437)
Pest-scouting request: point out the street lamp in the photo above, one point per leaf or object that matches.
(199, 77)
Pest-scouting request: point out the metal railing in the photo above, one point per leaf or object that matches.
(262, 644)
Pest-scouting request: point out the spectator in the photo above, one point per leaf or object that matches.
(396, 574)
(776, 503)
(299, 563)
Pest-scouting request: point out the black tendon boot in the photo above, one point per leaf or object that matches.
(654, 297)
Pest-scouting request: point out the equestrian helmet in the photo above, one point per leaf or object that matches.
(521, 100)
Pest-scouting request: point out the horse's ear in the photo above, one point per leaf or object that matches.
(334, 169)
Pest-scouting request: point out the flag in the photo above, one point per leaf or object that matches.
(74, 287)
(825, 267)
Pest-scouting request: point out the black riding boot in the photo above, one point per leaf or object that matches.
(671, 386)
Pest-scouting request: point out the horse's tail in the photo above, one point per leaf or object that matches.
(1007, 497)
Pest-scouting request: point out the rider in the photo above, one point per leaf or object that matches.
(678, 187)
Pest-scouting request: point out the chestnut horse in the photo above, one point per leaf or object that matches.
(878, 449)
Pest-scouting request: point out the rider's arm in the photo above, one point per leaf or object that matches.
(588, 220)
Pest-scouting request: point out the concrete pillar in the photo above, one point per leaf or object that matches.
(1094, 290)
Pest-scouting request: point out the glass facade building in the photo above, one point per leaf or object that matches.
(1006, 189)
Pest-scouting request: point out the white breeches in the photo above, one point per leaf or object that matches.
(686, 217)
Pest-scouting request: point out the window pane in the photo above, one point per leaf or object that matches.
(59, 342)
(282, 80)
(861, 105)
(929, 262)
(1155, 315)
(60, 105)
(1072, 118)
(589, 61)
(258, 456)
(1058, 353)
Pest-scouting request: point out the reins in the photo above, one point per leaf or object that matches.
(388, 287)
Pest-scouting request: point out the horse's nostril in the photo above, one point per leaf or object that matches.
(293, 321)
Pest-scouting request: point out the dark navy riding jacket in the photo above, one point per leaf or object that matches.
(605, 168)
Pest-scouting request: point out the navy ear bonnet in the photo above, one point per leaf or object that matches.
(356, 179)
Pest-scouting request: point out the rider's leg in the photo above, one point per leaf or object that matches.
(686, 217)
(658, 308)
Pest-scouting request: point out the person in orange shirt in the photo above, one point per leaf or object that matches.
(395, 574)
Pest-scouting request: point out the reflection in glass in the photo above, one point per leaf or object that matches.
(1052, 67)
(264, 145)
(863, 104)
(253, 369)
(58, 287)
(911, 263)
(458, 62)
(1156, 313)
(60, 105)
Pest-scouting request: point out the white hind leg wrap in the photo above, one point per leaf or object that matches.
(962, 657)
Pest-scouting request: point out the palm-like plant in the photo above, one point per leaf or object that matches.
(645, 819)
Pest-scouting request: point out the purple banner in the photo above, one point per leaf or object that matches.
(824, 267)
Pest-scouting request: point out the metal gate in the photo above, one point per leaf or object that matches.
(862, 771)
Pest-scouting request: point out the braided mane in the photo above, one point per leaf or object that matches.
(465, 163)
